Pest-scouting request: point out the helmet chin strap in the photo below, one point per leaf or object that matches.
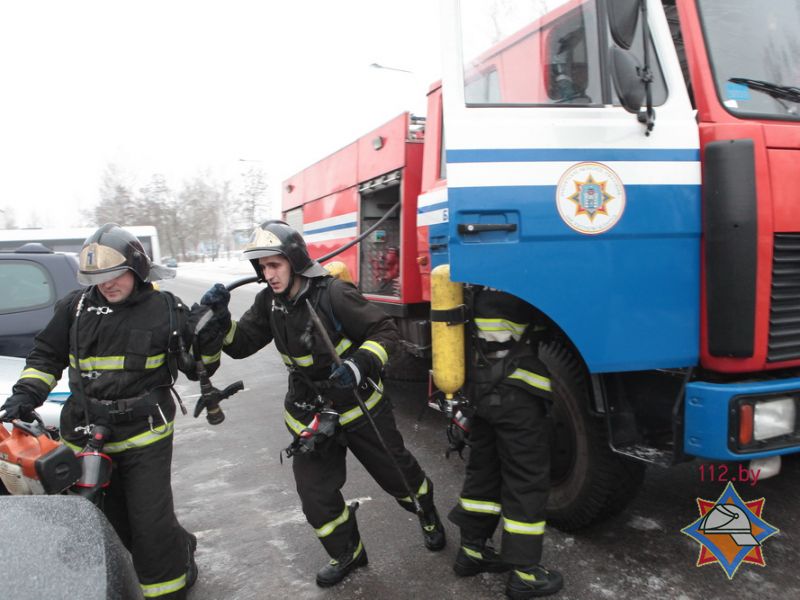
(285, 294)
(292, 278)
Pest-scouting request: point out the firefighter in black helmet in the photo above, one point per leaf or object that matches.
(320, 410)
(120, 338)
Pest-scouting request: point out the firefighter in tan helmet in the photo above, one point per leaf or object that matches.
(320, 413)
(119, 338)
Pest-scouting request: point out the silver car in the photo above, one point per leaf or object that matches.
(10, 370)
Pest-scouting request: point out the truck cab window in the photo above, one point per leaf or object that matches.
(531, 53)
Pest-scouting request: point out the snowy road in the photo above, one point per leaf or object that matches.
(231, 489)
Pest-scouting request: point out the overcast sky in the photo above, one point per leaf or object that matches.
(179, 86)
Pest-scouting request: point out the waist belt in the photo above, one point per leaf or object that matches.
(123, 410)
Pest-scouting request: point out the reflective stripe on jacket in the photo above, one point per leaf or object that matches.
(357, 328)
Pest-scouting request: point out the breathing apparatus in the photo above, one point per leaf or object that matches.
(448, 316)
(95, 466)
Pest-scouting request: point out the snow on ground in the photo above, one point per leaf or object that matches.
(224, 270)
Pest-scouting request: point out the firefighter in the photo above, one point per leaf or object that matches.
(119, 338)
(508, 470)
(321, 412)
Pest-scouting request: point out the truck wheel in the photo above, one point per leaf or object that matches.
(589, 481)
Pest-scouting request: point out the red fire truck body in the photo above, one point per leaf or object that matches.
(343, 194)
(664, 254)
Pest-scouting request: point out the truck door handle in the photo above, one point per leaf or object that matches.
(472, 228)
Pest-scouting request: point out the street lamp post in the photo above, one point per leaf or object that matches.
(378, 66)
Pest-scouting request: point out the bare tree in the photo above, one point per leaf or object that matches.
(201, 217)
(227, 212)
(9, 218)
(116, 199)
(162, 208)
(254, 206)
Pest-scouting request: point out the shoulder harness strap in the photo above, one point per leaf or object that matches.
(174, 342)
(322, 301)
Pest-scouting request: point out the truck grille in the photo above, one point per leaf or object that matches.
(784, 314)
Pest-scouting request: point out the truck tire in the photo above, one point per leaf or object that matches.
(589, 481)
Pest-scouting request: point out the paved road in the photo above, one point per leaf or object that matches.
(254, 543)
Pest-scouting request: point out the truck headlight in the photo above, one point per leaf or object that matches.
(761, 423)
(773, 418)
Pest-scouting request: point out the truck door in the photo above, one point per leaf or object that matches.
(557, 194)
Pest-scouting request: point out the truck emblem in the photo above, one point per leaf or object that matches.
(590, 198)
(730, 531)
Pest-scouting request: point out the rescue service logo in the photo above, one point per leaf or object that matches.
(730, 531)
(590, 198)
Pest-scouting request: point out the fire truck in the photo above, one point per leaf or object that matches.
(626, 167)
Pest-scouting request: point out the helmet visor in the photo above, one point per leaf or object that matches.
(256, 253)
(98, 264)
(262, 238)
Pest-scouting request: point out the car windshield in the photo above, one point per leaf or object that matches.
(753, 47)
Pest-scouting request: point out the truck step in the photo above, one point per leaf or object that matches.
(647, 454)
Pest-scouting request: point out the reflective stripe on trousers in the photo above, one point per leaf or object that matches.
(331, 526)
(154, 590)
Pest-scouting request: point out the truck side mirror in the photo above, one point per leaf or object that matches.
(626, 72)
(623, 16)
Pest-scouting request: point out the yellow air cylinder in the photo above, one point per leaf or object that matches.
(339, 270)
(447, 340)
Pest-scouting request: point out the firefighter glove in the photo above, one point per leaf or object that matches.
(212, 333)
(216, 298)
(346, 375)
(19, 406)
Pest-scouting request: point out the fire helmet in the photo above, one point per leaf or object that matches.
(275, 237)
(110, 251)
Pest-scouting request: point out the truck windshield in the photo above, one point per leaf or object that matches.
(753, 48)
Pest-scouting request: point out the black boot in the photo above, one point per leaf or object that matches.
(477, 556)
(338, 568)
(533, 582)
(354, 556)
(191, 569)
(432, 530)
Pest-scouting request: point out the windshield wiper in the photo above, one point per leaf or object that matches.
(781, 92)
